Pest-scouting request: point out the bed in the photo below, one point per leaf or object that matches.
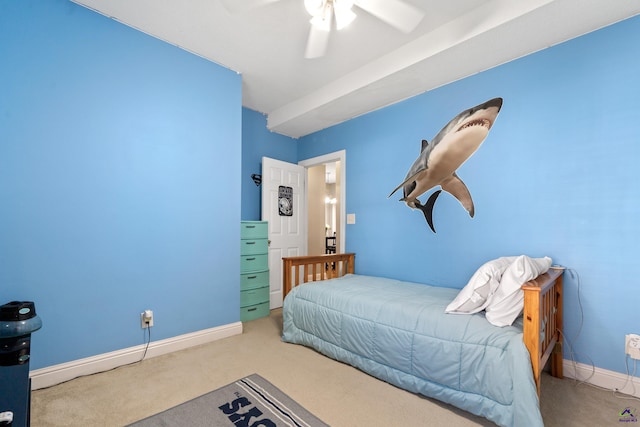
(399, 332)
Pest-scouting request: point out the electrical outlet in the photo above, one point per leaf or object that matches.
(632, 346)
(146, 319)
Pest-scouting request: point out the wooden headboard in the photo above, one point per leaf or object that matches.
(303, 269)
(543, 322)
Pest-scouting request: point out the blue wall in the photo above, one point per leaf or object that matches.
(119, 158)
(258, 142)
(556, 176)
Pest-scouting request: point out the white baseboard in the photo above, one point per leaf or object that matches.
(56, 374)
(602, 377)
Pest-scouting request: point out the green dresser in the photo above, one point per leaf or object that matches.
(254, 270)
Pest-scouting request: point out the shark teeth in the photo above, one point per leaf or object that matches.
(479, 122)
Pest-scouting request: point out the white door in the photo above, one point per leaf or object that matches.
(284, 207)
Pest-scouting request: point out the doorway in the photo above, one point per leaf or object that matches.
(323, 207)
(326, 203)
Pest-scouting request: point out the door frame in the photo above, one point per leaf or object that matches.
(340, 156)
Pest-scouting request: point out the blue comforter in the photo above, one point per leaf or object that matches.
(398, 332)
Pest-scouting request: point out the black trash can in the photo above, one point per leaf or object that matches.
(18, 319)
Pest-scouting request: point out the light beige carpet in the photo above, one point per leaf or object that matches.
(338, 394)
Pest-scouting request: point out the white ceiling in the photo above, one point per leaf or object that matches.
(368, 65)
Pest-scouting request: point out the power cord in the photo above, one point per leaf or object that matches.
(148, 342)
(616, 391)
(574, 274)
(144, 354)
(629, 378)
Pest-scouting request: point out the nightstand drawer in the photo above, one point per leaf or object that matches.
(254, 246)
(254, 280)
(250, 263)
(254, 311)
(254, 296)
(253, 230)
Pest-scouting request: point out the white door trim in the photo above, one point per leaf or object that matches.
(327, 158)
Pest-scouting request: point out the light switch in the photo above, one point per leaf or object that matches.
(351, 218)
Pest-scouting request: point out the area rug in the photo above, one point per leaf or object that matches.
(251, 401)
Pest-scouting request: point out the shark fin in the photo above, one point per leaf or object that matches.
(402, 184)
(419, 165)
(427, 209)
(459, 190)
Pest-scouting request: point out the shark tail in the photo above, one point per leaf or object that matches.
(427, 208)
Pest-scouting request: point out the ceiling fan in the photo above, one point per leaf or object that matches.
(396, 13)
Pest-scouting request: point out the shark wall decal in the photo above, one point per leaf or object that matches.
(440, 158)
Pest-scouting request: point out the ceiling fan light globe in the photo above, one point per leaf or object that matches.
(314, 7)
(344, 18)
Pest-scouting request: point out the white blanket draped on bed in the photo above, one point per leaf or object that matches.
(399, 332)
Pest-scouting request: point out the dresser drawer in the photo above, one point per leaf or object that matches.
(254, 311)
(253, 246)
(254, 280)
(250, 263)
(254, 230)
(254, 296)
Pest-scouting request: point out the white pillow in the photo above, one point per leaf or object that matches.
(474, 297)
(507, 303)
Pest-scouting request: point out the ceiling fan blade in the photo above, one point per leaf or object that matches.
(397, 13)
(240, 6)
(316, 43)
